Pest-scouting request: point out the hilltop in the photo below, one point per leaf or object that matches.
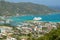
(23, 8)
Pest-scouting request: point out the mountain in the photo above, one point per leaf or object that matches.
(55, 7)
(58, 7)
(23, 8)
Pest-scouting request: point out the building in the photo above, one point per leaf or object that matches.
(5, 29)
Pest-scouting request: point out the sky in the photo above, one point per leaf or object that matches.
(44, 2)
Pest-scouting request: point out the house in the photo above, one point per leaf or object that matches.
(5, 29)
(2, 22)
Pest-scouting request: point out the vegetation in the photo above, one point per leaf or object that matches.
(8, 8)
(52, 35)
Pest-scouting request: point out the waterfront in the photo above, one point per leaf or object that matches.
(23, 26)
(27, 30)
(29, 20)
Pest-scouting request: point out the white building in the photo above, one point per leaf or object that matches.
(5, 29)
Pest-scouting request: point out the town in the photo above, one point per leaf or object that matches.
(25, 29)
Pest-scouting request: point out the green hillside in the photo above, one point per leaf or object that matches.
(7, 8)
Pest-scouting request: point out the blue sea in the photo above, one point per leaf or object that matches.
(54, 17)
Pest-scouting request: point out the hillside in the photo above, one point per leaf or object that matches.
(7, 8)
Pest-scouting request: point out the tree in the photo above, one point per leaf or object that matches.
(52, 35)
